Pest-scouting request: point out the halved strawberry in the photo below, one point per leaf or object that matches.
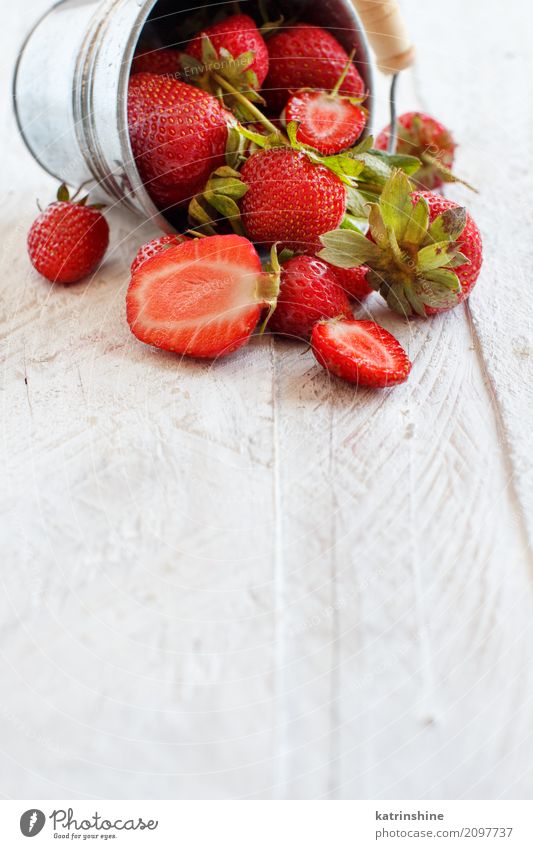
(203, 298)
(361, 352)
(327, 121)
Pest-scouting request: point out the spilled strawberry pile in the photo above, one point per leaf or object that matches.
(253, 140)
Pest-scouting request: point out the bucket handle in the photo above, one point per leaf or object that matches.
(387, 34)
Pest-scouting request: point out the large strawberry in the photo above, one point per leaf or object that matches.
(232, 40)
(424, 253)
(361, 352)
(307, 56)
(309, 292)
(178, 135)
(202, 298)
(426, 138)
(68, 240)
(290, 199)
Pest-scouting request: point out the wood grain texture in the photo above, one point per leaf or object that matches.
(246, 579)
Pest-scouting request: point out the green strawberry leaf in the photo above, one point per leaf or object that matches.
(408, 164)
(396, 205)
(377, 226)
(449, 225)
(436, 295)
(348, 249)
(444, 277)
(437, 255)
(417, 226)
(63, 194)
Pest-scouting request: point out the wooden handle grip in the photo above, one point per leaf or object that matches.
(387, 34)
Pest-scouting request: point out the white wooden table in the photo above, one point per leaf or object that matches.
(247, 580)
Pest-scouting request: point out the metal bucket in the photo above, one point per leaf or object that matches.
(71, 84)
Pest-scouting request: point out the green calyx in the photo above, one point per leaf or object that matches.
(269, 286)
(224, 188)
(230, 78)
(410, 261)
(63, 196)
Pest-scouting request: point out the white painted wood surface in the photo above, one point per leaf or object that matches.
(247, 580)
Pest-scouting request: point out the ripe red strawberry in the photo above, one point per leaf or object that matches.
(290, 199)
(237, 35)
(178, 135)
(361, 352)
(68, 240)
(353, 281)
(202, 298)
(307, 56)
(423, 252)
(309, 292)
(422, 136)
(155, 247)
(162, 61)
(327, 122)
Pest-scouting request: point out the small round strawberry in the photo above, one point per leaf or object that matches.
(68, 241)
(161, 61)
(237, 35)
(422, 136)
(327, 121)
(290, 199)
(361, 352)
(307, 56)
(309, 292)
(155, 247)
(423, 252)
(178, 134)
(202, 298)
(353, 281)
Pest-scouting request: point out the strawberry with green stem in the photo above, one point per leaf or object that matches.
(424, 253)
(291, 194)
(229, 60)
(430, 141)
(69, 239)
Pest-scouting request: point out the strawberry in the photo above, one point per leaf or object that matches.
(155, 247)
(308, 293)
(422, 136)
(178, 135)
(327, 122)
(353, 281)
(361, 352)
(307, 56)
(232, 41)
(202, 298)
(68, 240)
(424, 253)
(290, 199)
(162, 61)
